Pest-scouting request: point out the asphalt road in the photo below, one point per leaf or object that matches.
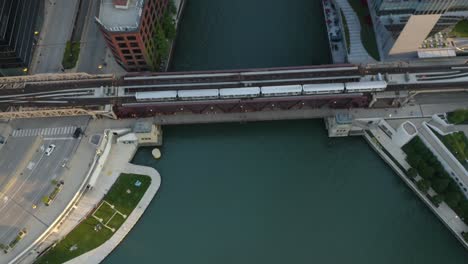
(55, 33)
(20, 192)
(25, 179)
(93, 46)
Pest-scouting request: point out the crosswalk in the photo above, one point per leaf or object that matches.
(50, 131)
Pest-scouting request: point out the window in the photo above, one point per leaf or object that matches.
(119, 38)
(131, 38)
(126, 51)
(131, 63)
(139, 57)
(123, 45)
(128, 57)
(133, 44)
(136, 50)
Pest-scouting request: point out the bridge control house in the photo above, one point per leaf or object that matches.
(129, 27)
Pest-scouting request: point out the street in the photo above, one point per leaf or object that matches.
(56, 31)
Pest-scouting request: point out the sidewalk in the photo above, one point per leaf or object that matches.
(443, 212)
(358, 53)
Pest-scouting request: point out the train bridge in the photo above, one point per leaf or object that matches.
(147, 94)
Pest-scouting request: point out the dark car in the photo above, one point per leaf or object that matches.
(77, 132)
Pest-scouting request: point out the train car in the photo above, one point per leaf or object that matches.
(283, 90)
(156, 96)
(248, 92)
(323, 88)
(202, 94)
(370, 86)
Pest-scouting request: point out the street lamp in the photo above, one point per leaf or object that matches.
(100, 66)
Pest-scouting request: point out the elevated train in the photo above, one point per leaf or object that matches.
(263, 91)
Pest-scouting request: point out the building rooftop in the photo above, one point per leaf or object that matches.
(142, 127)
(120, 15)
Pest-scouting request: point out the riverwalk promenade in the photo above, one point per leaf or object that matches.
(116, 163)
(383, 145)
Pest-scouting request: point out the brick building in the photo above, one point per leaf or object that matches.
(17, 22)
(128, 27)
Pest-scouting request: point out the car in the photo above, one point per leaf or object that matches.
(77, 133)
(50, 149)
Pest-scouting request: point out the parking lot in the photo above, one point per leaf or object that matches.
(28, 175)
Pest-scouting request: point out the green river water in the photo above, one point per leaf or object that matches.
(274, 192)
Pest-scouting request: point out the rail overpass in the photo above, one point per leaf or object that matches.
(72, 94)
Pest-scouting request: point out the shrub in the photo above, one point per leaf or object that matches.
(458, 116)
(412, 173)
(437, 199)
(440, 185)
(423, 185)
(71, 54)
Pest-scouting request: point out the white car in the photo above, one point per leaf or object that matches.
(50, 149)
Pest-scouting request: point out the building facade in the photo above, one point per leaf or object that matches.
(410, 22)
(129, 29)
(17, 23)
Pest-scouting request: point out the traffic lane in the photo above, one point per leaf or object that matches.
(56, 34)
(10, 159)
(17, 210)
(13, 218)
(49, 168)
(50, 122)
(439, 98)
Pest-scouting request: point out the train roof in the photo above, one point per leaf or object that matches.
(282, 89)
(155, 94)
(198, 93)
(323, 87)
(239, 91)
(366, 85)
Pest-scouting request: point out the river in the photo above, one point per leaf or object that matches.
(274, 192)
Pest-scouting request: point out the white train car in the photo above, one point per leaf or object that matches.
(370, 86)
(248, 92)
(156, 96)
(202, 94)
(323, 88)
(283, 90)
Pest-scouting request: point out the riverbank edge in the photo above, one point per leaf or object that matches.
(412, 186)
(98, 254)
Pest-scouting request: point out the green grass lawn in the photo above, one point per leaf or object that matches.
(71, 54)
(116, 221)
(346, 30)
(457, 143)
(461, 29)
(459, 116)
(84, 237)
(367, 30)
(105, 212)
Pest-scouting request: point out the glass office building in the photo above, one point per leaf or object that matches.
(17, 20)
(394, 14)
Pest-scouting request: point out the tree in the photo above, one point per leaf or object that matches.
(440, 184)
(414, 160)
(453, 199)
(437, 199)
(423, 185)
(168, 26)
(465, 236)
(412, 173)
(425, 170)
